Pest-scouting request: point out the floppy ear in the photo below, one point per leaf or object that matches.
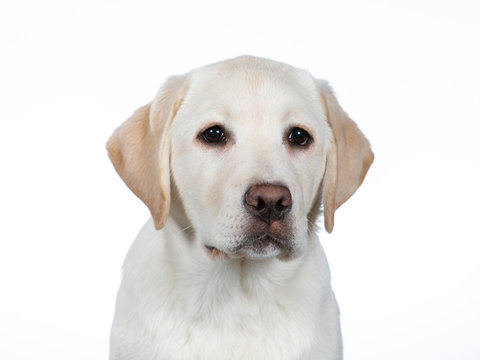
(140, 149)
(348, 160)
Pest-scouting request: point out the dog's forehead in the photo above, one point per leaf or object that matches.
(252, 84)
(251, 72)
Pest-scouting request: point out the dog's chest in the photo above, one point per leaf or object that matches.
(179, 307)
(242, 330)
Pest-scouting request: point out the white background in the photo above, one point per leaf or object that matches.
(405, 252)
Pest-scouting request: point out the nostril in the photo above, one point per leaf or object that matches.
(260, 204)
(279, 206)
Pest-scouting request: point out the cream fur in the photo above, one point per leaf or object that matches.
(179, 299)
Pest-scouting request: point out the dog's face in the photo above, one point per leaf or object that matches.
(248, 150)
(252, 147)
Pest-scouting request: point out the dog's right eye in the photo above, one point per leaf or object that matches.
(214, 134)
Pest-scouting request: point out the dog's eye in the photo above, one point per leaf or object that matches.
(299, 137)
(214, 134)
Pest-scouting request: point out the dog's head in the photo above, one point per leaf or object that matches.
(248, 149)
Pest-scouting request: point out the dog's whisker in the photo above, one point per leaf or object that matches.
(189, 227)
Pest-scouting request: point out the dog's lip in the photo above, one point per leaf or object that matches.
(211, 248)
(256, 242)
(261, 241)
(267, 237)
(214, 252)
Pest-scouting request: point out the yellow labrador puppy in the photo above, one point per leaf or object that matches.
(234, 161)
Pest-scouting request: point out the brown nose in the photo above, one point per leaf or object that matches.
(268, 202)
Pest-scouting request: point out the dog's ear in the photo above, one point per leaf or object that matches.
(140, 149)
(348, 159)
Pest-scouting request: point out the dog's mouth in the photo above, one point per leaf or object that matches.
(262, 244)
(265, 245)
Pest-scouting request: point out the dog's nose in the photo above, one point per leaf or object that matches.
(268, 202)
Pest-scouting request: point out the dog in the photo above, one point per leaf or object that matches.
(235, 161)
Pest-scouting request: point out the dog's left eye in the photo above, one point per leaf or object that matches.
(214, 134)
(299, 137)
